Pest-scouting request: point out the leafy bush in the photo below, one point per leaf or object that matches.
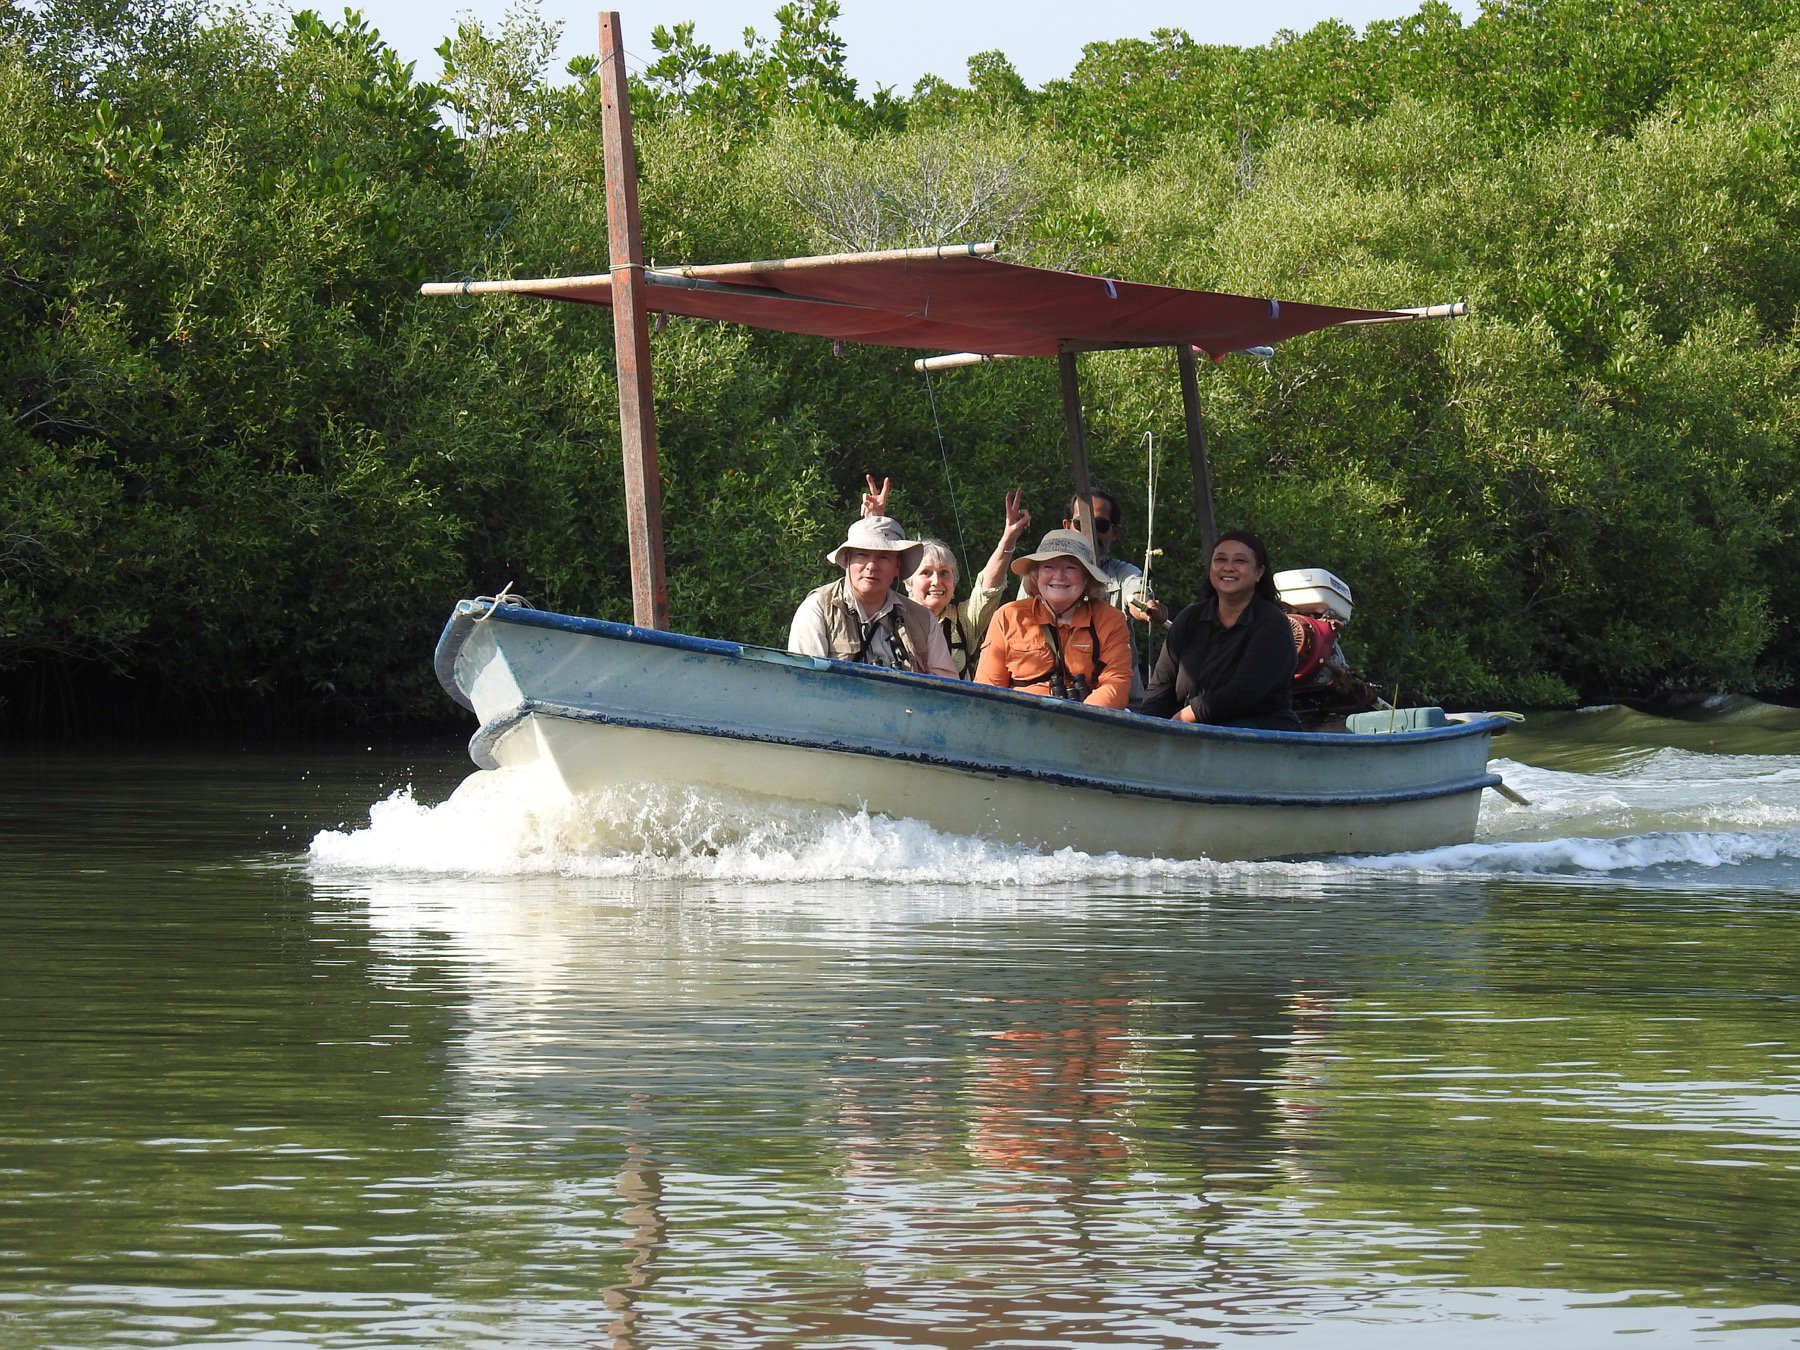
(246, 470)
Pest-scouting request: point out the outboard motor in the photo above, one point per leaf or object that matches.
(1319, 604)
(1315, 592)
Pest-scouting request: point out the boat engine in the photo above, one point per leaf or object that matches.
(1319, 604)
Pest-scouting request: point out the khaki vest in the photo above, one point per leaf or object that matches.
(843, 623)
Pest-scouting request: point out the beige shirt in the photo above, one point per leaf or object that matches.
(811, 631)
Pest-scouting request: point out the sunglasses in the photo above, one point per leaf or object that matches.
(1102, 525)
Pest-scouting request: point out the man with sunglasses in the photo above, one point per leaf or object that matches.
(1125, 588)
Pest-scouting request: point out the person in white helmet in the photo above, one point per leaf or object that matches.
(1319, 606)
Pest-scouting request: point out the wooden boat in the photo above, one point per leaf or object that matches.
(606, 705)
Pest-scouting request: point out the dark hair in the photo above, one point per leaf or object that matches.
(1265, 584)
(1112, 504)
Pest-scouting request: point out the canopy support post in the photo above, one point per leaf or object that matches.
(1196, 439)
(1078, 456)
(631, 338)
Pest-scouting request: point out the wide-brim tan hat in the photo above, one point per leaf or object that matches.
(1063, 544)
(879, 534)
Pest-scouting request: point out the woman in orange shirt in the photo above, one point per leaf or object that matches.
(1060, 638)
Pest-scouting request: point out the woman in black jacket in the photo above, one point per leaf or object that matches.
(1229, 660)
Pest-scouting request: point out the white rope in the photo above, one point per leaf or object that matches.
(1145, 591)
(1150, 549)
(506, 597)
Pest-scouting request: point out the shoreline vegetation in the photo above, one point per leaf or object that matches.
(245, 470)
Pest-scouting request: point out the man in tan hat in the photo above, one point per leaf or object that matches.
(861, 617)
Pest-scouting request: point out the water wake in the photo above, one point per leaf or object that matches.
(1625, 797)
(1667, 855)
(510, 823)
(493, 831)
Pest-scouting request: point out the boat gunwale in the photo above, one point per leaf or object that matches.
(464, 618)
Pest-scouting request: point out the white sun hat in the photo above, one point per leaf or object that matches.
(1063, 544)
(879, 534)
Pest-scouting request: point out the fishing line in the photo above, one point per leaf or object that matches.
(1145, 591)
(962, 544)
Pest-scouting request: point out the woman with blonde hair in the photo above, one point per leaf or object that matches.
(1060, 638)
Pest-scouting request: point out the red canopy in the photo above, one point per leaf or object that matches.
(953, 299)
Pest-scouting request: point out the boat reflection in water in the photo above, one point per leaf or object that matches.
(845, 1110)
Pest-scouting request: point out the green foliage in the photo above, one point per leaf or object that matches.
(1522, 67)
(68, 575)
(799, 71)
(996, 90)
(494, 84)
(246, 469)
(198, 339)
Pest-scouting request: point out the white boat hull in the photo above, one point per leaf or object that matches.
(608, 706)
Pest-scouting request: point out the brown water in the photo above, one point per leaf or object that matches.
(421, 1085)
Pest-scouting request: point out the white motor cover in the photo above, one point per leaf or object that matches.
(1315, 586)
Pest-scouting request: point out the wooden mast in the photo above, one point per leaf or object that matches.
(631, 337)
(1078, 455)
(1196, 439)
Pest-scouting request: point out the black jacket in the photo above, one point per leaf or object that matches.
(1242, 676)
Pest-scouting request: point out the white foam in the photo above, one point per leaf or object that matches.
(510, 823)
(1662, 791)
(1670, 809)
(1595, 856)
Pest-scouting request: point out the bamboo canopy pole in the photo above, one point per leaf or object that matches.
(672, 275)
(983, 250)
(631, 337)
(1455, 309)
(956, 360)
(1196, 439)
(520, 286)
